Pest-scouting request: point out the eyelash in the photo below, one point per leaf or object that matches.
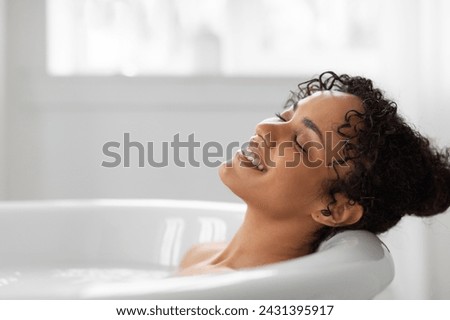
(279, 116)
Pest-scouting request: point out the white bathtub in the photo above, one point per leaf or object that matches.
(127, 249)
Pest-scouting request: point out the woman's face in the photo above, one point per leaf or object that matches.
(294, 154)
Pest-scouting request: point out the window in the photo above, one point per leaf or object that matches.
(214, 37)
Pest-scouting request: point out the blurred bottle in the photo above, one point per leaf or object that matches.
(206, 52)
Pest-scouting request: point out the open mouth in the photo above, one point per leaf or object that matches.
(252, 158)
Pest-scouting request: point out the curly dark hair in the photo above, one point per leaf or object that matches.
(395, 170)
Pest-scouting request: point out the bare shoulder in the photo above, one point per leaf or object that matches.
(200, 252)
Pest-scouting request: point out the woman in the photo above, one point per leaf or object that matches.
(338, 157)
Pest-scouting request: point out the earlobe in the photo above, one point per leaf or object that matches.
(343, 212)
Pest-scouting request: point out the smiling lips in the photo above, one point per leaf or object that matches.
(251, 154)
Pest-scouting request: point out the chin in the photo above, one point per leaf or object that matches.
(236, 179)
(227, 174)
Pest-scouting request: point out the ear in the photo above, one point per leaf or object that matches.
(343, 213)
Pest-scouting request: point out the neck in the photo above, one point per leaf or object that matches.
(264, 238)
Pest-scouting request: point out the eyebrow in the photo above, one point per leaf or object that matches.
(311, 125)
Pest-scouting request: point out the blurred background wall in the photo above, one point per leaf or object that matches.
(2, 100)
(76, 74)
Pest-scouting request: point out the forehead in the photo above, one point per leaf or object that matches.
(327, 108)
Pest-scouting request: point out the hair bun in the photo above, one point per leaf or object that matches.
(436, 199)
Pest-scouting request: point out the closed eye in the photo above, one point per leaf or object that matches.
(301, 147)
(279, 116)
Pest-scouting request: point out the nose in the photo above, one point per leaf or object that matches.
(272, 130)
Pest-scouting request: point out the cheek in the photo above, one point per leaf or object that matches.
(289, 191)
(301, 182)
